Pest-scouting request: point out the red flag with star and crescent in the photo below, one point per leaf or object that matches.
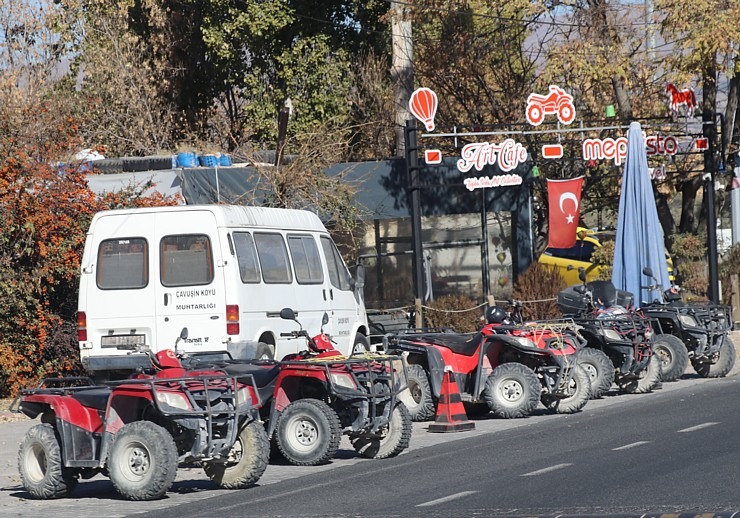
(564, 197)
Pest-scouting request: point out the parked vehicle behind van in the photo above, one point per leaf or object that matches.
(222, 271)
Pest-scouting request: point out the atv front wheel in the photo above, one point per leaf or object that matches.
(673, 356)
(40, 464)
(391, 441)
(512, 390)
(418, 396)
(247, 459)
(599, 368)
(579, 389)
(648, 379)
(142, 463)
(724, 364)
(308, 432)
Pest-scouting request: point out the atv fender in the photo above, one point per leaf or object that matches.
(65, 408)
(424, 354)
(510, 341)
(436, 371)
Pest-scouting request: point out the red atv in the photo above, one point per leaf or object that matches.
(137, 430)
(510, 368)
(556, 102)
(314, 397)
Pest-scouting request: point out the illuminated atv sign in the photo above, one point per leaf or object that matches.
(509, 154)
(616, 149)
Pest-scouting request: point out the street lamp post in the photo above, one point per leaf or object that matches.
(412, 169)
(709, 178)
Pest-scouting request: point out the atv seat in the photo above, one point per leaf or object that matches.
(94, 397)
(465, 344)
(264, 372)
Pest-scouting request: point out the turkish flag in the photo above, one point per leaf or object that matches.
(564, 200)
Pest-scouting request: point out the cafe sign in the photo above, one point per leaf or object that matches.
(509, 154)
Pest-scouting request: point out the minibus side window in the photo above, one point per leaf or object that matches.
(123, 264)
(273, 258)
(246, 256)
(185, 260)
(338, 273)
(306, 260)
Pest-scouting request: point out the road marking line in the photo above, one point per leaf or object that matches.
(697, 427)
(546, 470)
(446, 498)
(633, 445)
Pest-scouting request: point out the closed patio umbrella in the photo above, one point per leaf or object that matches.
(639, 241)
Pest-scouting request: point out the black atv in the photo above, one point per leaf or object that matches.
(702, 329)
(623, 336)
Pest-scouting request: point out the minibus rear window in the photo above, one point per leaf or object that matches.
(122, 264)
(186, 260)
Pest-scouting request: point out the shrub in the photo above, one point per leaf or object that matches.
(729, 266)
(456, 311)
(538, 289)
(688, 252)
(604, 257)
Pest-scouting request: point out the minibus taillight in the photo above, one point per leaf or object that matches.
(81, 326)
(232, 319)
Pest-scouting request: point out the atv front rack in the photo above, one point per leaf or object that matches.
(377, 380)
(552, 332)
(632, 328)
(365, 369)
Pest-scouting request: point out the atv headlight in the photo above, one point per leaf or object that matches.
(173, 400)
(526, 342)
(688, 320)
(399, 372)
(609, 334)
(343, 380)
(244, 397)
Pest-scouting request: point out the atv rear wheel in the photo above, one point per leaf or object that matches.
(599, 368)
(673, 356)
(392, 440)
(40, 464)
(418, 396)
(308, 432)
(512, 390)
(580, 391)
(142, 463)
(247, 459)
(649, 378)
(723, 365)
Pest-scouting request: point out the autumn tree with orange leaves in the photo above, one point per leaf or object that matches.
(45, 207)
(45, 210)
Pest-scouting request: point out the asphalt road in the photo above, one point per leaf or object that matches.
(675, 451)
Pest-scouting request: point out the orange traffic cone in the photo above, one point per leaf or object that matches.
(451, 416)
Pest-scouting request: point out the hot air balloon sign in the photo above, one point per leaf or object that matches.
(423, 106)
